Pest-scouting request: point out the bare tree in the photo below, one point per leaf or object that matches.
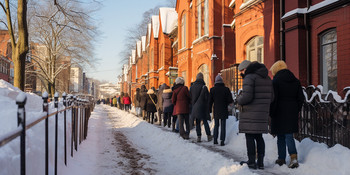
(19, 38)
(61, 38)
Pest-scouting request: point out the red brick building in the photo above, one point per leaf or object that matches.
(5, 56)
(317, 41)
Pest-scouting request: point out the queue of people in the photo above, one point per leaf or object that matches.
(265, 106)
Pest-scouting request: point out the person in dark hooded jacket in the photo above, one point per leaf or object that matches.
(221, 97)
(255, 101)
(200, 109)
(143, 96)
(137, 102)
(284, 112)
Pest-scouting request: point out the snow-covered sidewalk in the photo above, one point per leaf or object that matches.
(120, 143)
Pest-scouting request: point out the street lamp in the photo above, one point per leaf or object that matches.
(213, 58)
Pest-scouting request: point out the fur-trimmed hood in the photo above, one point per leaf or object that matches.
(279, 65)
(167, 91)
(150, 91)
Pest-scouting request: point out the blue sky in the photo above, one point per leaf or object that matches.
(114, 18)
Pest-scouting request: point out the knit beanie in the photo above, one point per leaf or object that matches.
(199, 76)
(244, 64)
(179, 80)
(218, 79)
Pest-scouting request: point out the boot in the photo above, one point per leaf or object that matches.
(293, 161)
(260, 161)
(199, 139)
(210, 138)
(251, 164)
(280, 162)
(222, 143)
(215, 142)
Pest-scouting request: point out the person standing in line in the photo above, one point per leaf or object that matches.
(160, 102)
(122, 101)
(115, 103)
(137, 102)
(181, 100)
(255, 101)
(200, 110)
(284, 111)
(127, 102)
(168, 107)
(151, 103)
(143, 96)
(221, 97)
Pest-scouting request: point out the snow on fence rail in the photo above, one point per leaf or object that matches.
(80, 108)
(325, 117)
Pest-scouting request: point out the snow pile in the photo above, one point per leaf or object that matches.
(168, 17)
(35, 136)
(170, 154)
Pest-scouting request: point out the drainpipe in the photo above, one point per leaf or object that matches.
(282, 34)
(308, 47)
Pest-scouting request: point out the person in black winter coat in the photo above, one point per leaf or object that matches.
(151, 103)
(255, 101)
(284, 111)
(221, 97)
(200, 110)
(143, 96)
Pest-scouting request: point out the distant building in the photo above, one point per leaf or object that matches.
(6, 64)
(76, 79)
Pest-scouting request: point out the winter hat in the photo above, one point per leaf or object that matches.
(244, 64)
(199, 76)
(179, 80)
(150, 91)
(218, 79)
(279, 65)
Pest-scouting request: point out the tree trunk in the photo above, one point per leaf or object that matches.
(21, 47)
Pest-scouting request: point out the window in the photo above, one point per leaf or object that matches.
(205, 71)
(162, 56)
(206, 17)
(329, 68)
(183, 31)
(255, 49)
(199, 22)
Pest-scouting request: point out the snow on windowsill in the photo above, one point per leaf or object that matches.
(246, 4)
(232, 4)
(200, 39)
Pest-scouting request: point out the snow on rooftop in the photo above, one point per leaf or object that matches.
(138, 49)
(168, 17)
(133, 56)
(149, 28)
(155, 26)
(143, 42)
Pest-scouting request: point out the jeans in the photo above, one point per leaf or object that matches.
(138, 111)
(222, 131)
(284, 140)
(167, 118)
(206, 127)
(260, 146)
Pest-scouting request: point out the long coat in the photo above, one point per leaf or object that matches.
(160, 97)
(255, 100)
(167, 104)
(150, 106)
(200, 97)
(143, 96)
(221, 96)
(287, 103)
(181, 99)
(137, 99)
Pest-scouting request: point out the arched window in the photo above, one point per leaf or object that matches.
(205, 71)
(183, 31)
(255, 49)
(329, 68)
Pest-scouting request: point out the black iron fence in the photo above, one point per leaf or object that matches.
(325, 118)
(80, 108)
(232, 78)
